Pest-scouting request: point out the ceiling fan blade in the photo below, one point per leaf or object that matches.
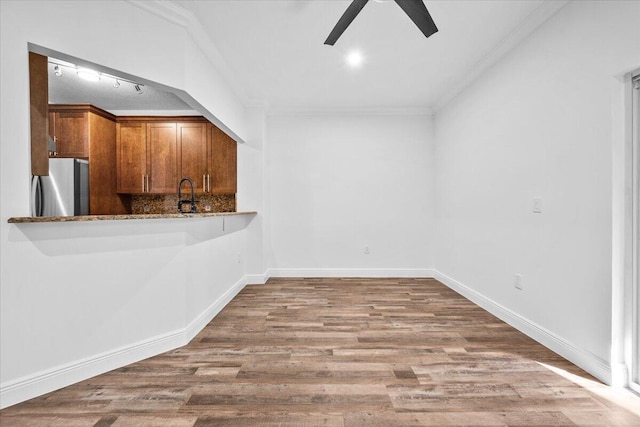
(347, 17)
(419, 14)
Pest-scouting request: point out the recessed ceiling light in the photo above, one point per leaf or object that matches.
(355, 59)
(87, 74)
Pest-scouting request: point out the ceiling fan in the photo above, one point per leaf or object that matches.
(415, 9)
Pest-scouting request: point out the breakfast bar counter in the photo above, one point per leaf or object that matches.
(85, 218)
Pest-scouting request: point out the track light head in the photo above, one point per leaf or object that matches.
(88, 74)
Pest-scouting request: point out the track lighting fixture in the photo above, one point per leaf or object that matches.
(94, 76)
(87, 74)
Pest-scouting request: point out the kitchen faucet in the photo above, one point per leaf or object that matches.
(192, 201)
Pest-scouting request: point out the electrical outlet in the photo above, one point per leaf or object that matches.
(366, 249)
(518, 281)
(537, 205)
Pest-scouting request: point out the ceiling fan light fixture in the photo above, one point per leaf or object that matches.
(89, 75)
(355, 59)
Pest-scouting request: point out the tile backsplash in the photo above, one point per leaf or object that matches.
(163, 204)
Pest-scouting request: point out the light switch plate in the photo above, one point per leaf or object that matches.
(518, 281)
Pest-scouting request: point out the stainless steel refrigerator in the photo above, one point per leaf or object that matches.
(64, 192)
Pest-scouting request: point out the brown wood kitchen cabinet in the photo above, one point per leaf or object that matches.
(85, 131)
(131, 161)
(162, 165)
(154, 153)
(147, 157)
(208, 157)
(192, 152)
(69, 128)
(222, 158)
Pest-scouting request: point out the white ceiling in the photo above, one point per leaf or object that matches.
(275, 54)
(272, 53)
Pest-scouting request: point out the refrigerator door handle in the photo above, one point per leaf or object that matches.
(36, 197)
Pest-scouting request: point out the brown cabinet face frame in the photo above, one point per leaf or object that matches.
(38, 114)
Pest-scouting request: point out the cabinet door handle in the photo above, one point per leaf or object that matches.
(143, 184)
(204, 183)
(147, 180)
(209, 183)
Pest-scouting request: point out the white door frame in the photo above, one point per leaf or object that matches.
(624, 311)
(634, 377)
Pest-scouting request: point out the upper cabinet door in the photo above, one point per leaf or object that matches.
(71, 134)
(192, 141)
(131, 161)
(162, 158)
(223, 162)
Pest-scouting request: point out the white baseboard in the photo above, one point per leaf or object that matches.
(586, 360)
(351, 272)
(619, 375)
(257, 279)
(28, 387)
(46, 381)
(212, 311)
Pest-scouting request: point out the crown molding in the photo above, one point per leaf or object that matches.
(165, 113)
(530, 23)
(184, 18)
(356, 111)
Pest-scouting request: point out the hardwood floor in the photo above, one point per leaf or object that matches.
(341, 352)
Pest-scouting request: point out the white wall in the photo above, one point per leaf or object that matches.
(92, 296)
(539, 123)
(339, 182)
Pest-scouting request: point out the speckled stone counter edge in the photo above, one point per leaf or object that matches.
(85, 218)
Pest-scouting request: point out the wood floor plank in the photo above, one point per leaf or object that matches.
(340, 352)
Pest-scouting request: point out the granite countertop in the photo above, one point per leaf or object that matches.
(28, 219)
